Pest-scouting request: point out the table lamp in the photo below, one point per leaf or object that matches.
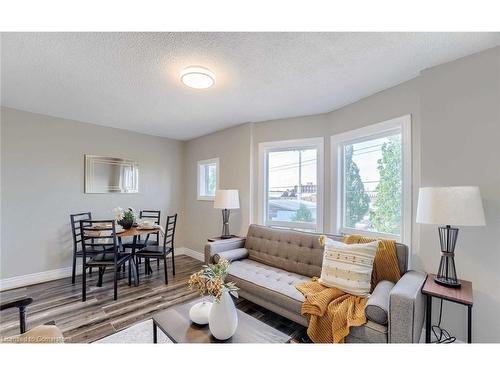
(449, 206)
(226, 200)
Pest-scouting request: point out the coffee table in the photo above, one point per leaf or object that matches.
(175, 323)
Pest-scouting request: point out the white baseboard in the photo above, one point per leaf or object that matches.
(190, 253)
(60, 273)
(35, 278)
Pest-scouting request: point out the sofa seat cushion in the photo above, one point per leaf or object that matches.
(377, 306)
(270, 283)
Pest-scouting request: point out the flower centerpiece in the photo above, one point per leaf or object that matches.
(222, 317)
(125, 217)
(211, 280)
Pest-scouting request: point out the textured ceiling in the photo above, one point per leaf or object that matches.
(131, 80)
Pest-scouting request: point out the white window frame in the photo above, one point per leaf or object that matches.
(202, 163)
(266, 147)
(402, 124)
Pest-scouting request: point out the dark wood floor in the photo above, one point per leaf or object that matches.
(100, 316)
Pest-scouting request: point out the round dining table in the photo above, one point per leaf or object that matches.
(135, 232)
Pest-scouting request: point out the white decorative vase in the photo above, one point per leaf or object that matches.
(198, 313)
(223, 319)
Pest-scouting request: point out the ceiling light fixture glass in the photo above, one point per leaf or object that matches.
(197, 77)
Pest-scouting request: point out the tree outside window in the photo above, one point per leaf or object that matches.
(373, 185)
(357, 201)
(386, 213)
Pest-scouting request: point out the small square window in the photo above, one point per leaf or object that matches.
(208, 179)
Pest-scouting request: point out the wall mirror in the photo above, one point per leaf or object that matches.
(110, 175)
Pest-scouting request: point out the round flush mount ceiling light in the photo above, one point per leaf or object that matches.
(197, 77)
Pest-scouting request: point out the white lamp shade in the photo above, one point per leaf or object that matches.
(452, 205)
(229, 199)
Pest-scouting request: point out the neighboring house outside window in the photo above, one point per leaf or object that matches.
(208, 179)
(371, 180)
(291, 184)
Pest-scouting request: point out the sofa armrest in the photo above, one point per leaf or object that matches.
(231, 255)
(216, 247)
(407, 308)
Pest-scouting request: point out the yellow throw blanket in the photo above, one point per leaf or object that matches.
(332, 312)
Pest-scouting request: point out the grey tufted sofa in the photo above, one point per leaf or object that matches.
(269, 262)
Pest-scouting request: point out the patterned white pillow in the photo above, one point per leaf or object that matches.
(348, 267)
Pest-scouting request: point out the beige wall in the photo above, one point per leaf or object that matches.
(388, 104)
(232, 147)
(460, 109)
(42, 183)
(455, 136)
(239, 168)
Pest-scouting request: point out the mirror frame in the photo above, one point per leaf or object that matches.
(92, 160)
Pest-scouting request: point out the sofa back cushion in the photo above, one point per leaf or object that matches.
(289, 250)
(296, 251)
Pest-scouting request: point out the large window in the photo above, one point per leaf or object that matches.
(291, 188)
(208, 178)
(371, 174)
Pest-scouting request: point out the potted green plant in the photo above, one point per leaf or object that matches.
(125, 218)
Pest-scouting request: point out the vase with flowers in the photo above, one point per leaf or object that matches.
(222, 317)
(125, 217)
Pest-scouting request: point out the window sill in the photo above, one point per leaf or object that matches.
(294, 225)
(364, 233)
(203, 198)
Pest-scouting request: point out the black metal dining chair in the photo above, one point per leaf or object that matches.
(160, 252)
(77, 239)
(93, 232)
(147, 214)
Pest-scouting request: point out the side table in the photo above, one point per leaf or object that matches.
(462, 295)
(214, 239)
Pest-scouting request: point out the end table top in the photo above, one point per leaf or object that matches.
(175, 323)
(461, 295)
(233, 237)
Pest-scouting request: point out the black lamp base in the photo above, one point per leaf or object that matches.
(450, 283)
(225, 224)
(447, 274)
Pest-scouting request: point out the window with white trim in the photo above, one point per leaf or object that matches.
(291, 184)
(208, 179)
(372, 180)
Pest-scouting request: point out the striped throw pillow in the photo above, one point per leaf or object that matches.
(348, 267)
